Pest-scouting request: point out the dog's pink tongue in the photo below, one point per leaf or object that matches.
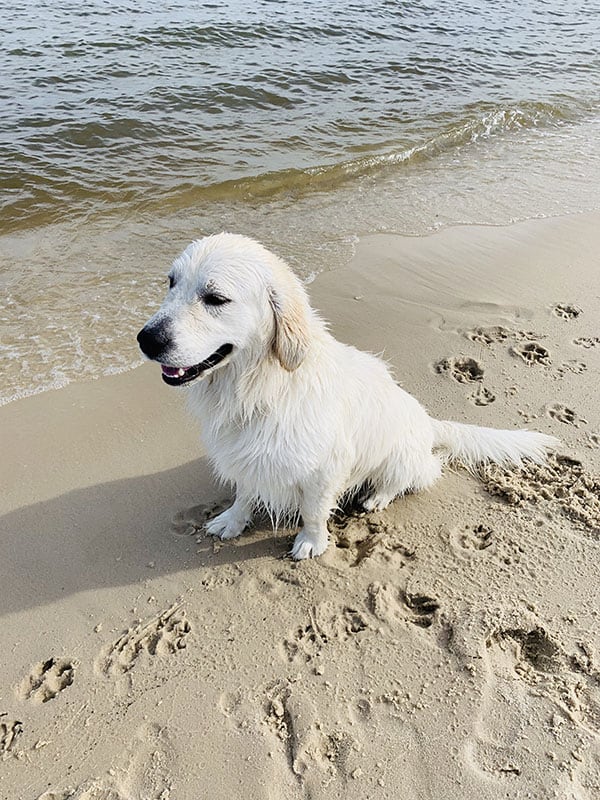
(171, 372)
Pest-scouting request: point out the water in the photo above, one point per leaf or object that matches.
(129, 129)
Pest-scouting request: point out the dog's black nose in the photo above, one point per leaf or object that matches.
(155, 340)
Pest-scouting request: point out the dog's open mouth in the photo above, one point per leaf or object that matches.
(176, 376)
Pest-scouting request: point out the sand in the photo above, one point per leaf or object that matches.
(447, 648)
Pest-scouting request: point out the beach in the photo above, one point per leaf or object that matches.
(447, 648)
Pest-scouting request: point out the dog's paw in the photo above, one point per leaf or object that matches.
(227, 525)
(307, 546)
(377, 502)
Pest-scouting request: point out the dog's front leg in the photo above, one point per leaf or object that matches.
(318, 500)
(234, 520)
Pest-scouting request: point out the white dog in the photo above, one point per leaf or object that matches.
(291, 417)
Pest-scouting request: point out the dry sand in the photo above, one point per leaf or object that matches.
(448, 648)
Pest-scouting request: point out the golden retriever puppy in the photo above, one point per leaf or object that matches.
(291, 417)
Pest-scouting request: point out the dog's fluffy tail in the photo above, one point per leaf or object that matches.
(471, 445)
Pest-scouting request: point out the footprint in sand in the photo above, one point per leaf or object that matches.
(566, 415)
(496, 749)
(482, 396)
(362, 538)
(498, 333)
(47, 680)
(532, 353)
(567, 311)
(488, 335)
(575, 367)
(392, 605)
(531, 689)
(163, 634)
(461, 369)
(309, 751)
(422, 607)
(587, 341)
(326, 623)
(472, 540)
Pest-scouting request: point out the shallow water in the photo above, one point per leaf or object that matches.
(129, 129)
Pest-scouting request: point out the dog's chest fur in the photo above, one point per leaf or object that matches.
(262, 439)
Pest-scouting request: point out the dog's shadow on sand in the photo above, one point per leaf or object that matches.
(119, 533)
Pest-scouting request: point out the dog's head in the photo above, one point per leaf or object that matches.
(229, 300)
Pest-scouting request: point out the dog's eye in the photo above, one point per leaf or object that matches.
(171, 281)
(212, 299)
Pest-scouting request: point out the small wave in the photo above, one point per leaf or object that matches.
(481, 124)
(235, 34)
(219, 97)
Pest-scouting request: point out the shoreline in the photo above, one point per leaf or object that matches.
(444, 648)
(349, 263)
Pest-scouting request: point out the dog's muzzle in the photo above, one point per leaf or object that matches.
(156, 343)
(176, 376)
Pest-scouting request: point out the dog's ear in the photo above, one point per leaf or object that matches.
(292, 322)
